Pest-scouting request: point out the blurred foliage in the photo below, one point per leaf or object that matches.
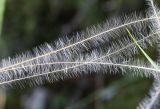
(2, 8)
(28, 23)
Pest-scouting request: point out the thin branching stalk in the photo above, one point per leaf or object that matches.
(43, 65)
(152, 101)
(78, 64)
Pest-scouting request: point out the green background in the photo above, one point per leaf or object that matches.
(29, 23)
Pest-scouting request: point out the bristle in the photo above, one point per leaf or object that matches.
(108, 43)
(152, 101)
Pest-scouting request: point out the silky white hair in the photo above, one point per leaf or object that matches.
(106, 48)
(107, 43)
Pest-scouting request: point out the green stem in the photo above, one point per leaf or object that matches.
(145, 54)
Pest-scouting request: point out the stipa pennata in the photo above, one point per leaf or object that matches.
(106, 46)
